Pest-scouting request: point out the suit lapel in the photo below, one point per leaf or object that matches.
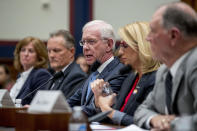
(84, 91)
(108, 68)
(66, 72)
(125, 88)
(144, 82)
(176, 83)
(89, 97)
(179, 76)
(27, 82)
(102, 75)
(48, 86)
(90, 94)
(68, 69)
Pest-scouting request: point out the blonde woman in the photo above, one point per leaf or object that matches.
(134, 52)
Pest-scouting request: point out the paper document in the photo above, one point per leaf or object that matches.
(100, 127)
(132, 128)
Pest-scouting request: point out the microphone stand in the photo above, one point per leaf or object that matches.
(55, 76)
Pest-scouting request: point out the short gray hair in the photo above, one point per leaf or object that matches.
(69, 39)
(106, 29)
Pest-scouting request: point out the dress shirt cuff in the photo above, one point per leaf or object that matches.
(147, 125)
(117, 117)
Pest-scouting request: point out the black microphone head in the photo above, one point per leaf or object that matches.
(55, 76)
(126, 69)
(95, 66)
(58, 75)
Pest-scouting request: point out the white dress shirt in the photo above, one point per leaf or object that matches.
(19, 83)
(102, 67)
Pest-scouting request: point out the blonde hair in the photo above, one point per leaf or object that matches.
(40, 49)
(134, 35)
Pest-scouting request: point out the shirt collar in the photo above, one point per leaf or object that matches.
(25, 73)
(176, 65)
(101, 68)
(66, 67)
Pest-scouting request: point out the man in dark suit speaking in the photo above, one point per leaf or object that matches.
(61, 51)
(98, 41)
(172, 105)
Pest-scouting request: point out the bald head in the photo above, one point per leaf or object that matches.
(179, 15)
(173, 32)
(185, 7)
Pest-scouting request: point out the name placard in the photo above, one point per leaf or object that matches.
(48, 102)
(5, 99)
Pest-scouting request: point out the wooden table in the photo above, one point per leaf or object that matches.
(42, 121)
(8, 116)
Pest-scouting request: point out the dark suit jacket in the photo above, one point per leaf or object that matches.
(110, 74)
(35, 79)
(144, 86)
(72, 79)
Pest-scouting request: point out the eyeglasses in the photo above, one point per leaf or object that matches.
(123, 44)
(90, 41)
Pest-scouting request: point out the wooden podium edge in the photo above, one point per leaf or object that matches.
(8, 116)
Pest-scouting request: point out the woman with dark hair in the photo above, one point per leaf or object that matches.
(30, 59)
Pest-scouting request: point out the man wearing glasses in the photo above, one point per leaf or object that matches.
(98, 42)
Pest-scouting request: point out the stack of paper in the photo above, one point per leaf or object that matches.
(98, 127)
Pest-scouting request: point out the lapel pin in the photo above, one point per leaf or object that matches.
(135, 91)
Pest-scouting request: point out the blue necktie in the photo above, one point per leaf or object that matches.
(168, 84)
(93, 77)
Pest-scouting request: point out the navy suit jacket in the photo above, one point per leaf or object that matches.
(143, 88)
(110, 74)
(35, 79)
(71, 80)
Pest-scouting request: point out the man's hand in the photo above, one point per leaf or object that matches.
(161, 122)
(105, 103)
(97, 87)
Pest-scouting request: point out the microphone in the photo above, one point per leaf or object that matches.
(95, 66)
(54, 77)
(57, 75)
(98, 117)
